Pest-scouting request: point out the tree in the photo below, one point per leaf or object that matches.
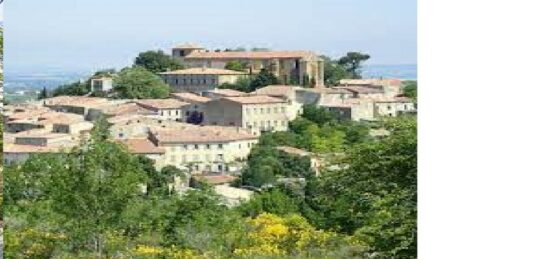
(87, 189)
(373, 196)
(352, 62)
(140, 83)
(157, 61)
(334, 72)
(272, 201)
(76, 88)
(43, 94)
(236, 65)
(410, 89)
(318, 115)
(242, 84)
(264, 78)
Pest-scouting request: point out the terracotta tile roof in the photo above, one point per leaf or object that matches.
(371, 81)
(142, 146)
(277, 90)
(40, 133)
(251, 55)
(16, 148)
(124, 108)
(161, 103)
(361, 89)
(326, 90)
(201, 134)
(46, 118)
(255, 99)
(216, 179)
(79, 101)
(203, 71)
(227, 92)
(190, 97)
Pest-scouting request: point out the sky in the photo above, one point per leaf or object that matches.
(87, 35)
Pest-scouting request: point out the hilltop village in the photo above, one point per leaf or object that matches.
(202, 128)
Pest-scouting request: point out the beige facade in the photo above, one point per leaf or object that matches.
(204, 148)
(200, 80)
(165, 109)
(291, 67)
(101, 84)
(256, 113)
(287, 93)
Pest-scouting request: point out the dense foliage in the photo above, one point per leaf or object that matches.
(250, 84)
(139, 83)
(410, 89)
(156, 61)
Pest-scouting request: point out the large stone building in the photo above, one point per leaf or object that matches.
(204, 148)
(291, 67)
(257, 113)
(199, 80)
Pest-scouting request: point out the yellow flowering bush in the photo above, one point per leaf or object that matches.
(272, 235)
(31, 243)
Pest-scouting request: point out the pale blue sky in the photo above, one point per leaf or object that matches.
(77, 34)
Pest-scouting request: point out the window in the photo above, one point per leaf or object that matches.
(182, 53)
(389, 107)
(220, 146)
(120, 135)
(196, 146)
(213, 81)
(184, 146)
(283, 109)
(247, 110)
(268, 110)
(261, 110)
(276, 123)
(276, 109)
(177, 112)
(220, 157)
(186, 113)
(177, 81)
(207, 146)
(204, 81)
(183, 158)
(220, 168)
(184, 81)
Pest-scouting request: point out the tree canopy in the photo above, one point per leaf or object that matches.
(139, 83)
(157, 61)
(352, 63)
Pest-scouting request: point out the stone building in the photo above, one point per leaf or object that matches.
(199, 80)
(166, 109)
(291, 67)
(204, 148)
(256, 113)
(101, 84)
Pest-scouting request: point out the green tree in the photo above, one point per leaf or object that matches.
(242, 84)
(374, 194)
(43, 94)
(139, 83)
(157, 61)
(410, 89)
(334, 72)
(75, 88)
(352, 63)
(87, 189)
(264, 78)
(318, 115)
(236, 65)
(272, 201)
